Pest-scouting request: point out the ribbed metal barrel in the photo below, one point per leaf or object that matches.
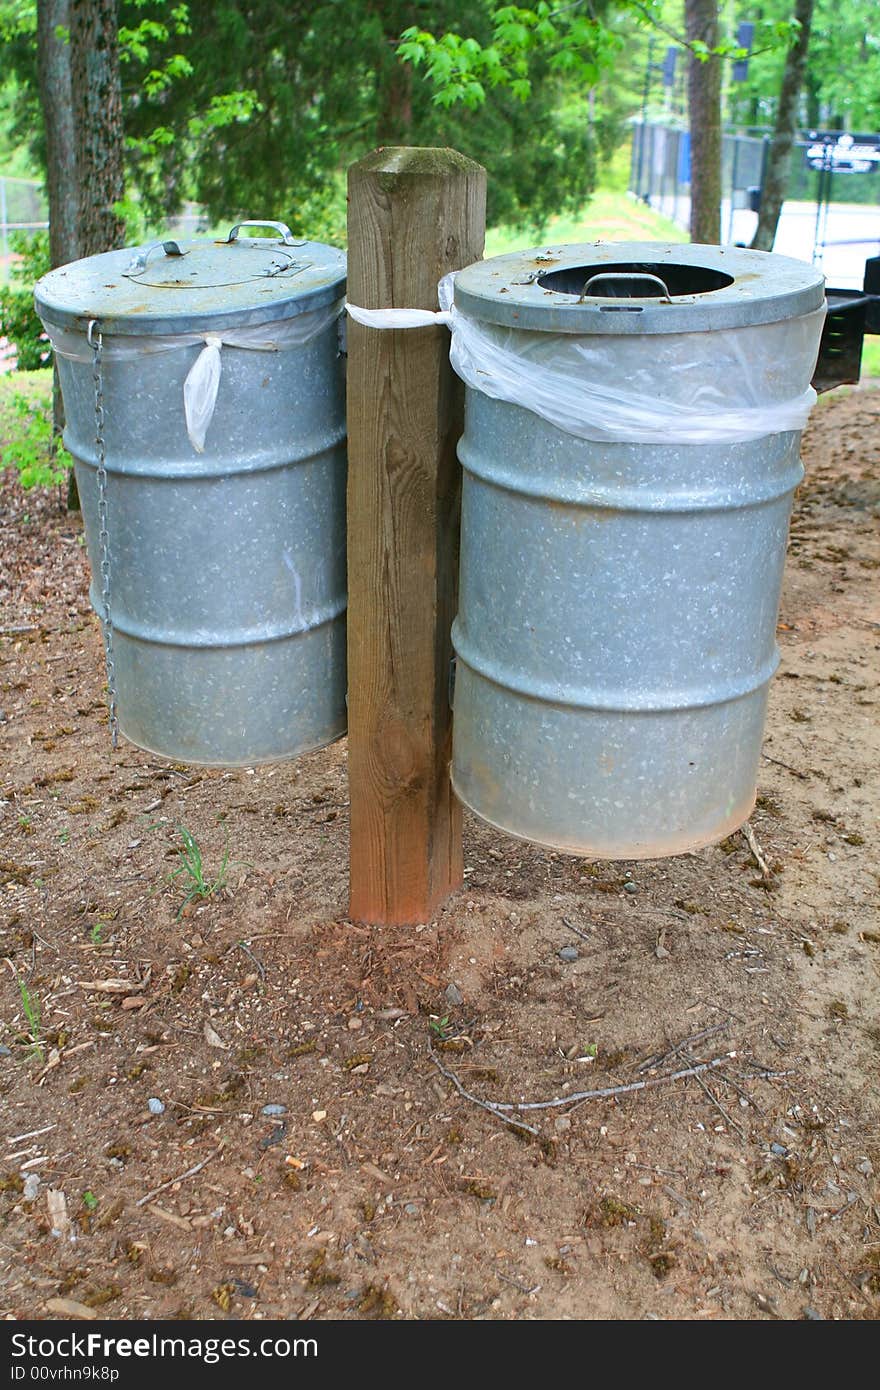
(618, 602)
(226, 567)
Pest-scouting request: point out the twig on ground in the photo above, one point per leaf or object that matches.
(499, 1108)
(728, 1081)
(578, 1097)
(659, 1058)
(757, 852)
(577, 931)
(524, 1288)
(475, 1100)
(762, 1072)
(190, 1173)
(777, 762)
(17, 627)
(243, 946)
(716, 1102)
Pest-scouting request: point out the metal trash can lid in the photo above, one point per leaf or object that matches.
(634, 287)
(194, 286)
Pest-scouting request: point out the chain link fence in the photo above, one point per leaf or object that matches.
(23, 208)
(832, 210)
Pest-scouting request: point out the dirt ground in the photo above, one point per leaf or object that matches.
(748, 1190)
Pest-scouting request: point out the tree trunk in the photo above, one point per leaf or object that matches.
(775, 182)
(53, 71)
(53, 75)
(97, 120)
(704, 109)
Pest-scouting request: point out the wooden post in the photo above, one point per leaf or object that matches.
(414, 215)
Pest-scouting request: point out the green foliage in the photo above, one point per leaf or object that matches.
(40, 459)
(842, 84)
(461, 69)
(18, 319)
(20, 325)
(31, 1007)
(196, 882)
(317, 85)
(32, 248)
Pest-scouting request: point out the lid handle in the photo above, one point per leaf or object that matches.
(286, 236)
(138, 262)
(626, 276)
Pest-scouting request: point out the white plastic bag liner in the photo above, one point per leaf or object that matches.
(687, 388)
(202, 384)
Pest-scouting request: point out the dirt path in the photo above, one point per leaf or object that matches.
(747, 1191)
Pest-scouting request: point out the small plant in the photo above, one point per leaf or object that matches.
(90, 1201)
(41, 461)
(192, 868)
(18, 318)
(97, 933)
(31, 1006)
(439, 1026)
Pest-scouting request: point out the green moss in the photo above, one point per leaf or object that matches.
(318, 1276)
(614, 1212)
(376, 1302)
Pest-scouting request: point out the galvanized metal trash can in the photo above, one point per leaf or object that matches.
(630, 453)
(204, 394)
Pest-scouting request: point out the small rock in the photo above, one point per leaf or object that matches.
(355, 1024)
(562, 1124)
(661, 952)
(454, 996)
(811, 1315)
(156, 1106)
(411, 1209)
(568, 953)
(5, 1051)
(31, 1189)
(630, 888)
(780, 1150)
(274, 1109)
(212, 1037)
(319, 1115)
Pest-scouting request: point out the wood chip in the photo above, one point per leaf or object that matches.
(57, 1204)
(110, 986)
(259, 1259)
(31, 1134)
(170, 1216)
(69, 1308)
(373, 1172)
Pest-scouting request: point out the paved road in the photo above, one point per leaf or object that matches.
(851, 233)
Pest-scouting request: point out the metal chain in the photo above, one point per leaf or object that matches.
(96, 343)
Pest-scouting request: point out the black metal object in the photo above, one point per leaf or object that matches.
(851, 314)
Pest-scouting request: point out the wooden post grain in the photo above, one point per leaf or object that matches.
(414, 215)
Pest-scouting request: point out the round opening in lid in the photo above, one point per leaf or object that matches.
(634, 280)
